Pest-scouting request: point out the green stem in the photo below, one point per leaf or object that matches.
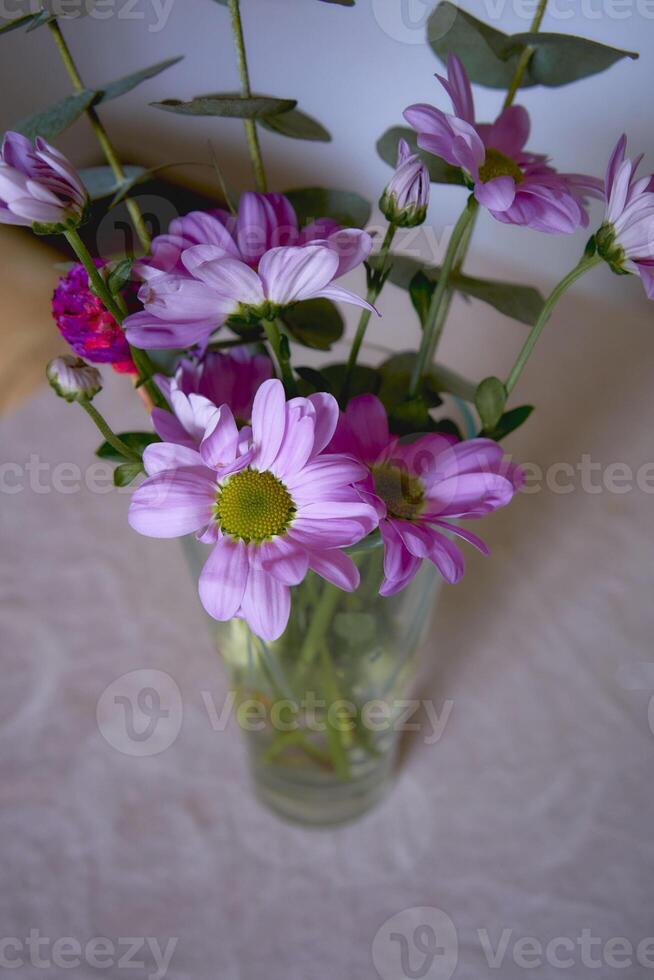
(526, 56)
(587, 262)
(250, 125)
(101, 134)
(113, 440)
(339, 739)
(375, 289)
(144, 365)
(274, 336)
(319, 623)
(434, 323)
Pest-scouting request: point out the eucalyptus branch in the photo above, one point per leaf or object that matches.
(279, 345)
(114, 441)
(377, 283)
(249, 124)
(526, 56)
(101, 134)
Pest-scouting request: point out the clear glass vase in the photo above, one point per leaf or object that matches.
(320, 706)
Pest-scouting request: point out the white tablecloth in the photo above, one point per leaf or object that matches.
(531, 817)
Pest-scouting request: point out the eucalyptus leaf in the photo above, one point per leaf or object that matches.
(315, 379)
(490, 400)
(134, 440)
(346, 207)
(365, 380)
(50, 122)
(141, 176)
(492, 57)
(228, 106)
(113, 90)
(101, 181)
(509, 422)
(440, 172)
(296, 125)
(421, 290)
(119, 276)
(126, 473)
(315, 323)
(396, 373)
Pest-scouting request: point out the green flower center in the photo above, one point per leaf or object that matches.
(254, 506)
(497, 165)
(403, 495)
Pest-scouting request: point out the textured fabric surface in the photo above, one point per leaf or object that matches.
(531, 817)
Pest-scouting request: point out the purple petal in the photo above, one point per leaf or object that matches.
(497, 194)
(148, 331)
(400, 566)
(470, 494)
(510, 131)
(337, 567)
(224, 578)
(268, 422)
(297, 273)
(352, 247)
(295, 449)
(218, 448)
(447, 558)
(266, 605)
(231, 280)
(170, 505)
(367, 419)
(284, 559)
(169, 428)
(326, 419)
(161, 456)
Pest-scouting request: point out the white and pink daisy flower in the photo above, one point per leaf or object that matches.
(271, 502)
(515, 186)
(626, 239)
(38, 185)
(212, 266)
(419, 489)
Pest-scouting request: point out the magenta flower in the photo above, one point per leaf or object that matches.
(211, 266)
(38, 186)
(274, 505)
(232, 379)
(626, 239)
(83, 322)
(418, 489)
(516, 187)
(406, 198)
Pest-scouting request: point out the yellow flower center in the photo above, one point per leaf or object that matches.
(254, 506)
(403, 495)
(497, 165)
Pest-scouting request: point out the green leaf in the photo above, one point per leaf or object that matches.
(560, 59)
(396, 374)
(315, 323)
(440, 172)
(439, 379)
(141, 176)
(228, 106)
(346, 207)
(455, 384)
(315, 379)
(101, 181)
(43, 17)
(57, 118)
(509, 422)
(421, 290)
(296, 125)
(126, 473)
(14, 25)
(491, 57)
(410, 416)
(523, 303)
(490, 400)
(135, 440)
(113, 90)
(119, 276)
(365, 380)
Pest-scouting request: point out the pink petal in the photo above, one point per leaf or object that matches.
(150, 332)
(224, 578)
(172, 504)
(323, 475)
(326, 419)
(510, 131)
(161, 456)
(465, 535)
(268, 422)
(339, 295)
(169, 428)
(400, 566)
(231, 280)
(497, 194)
(296, 273)
(337, 567)
(266, 605)
(218, 448)
(470, 494)
(295, 448)
(284, 559)
(352, 247)
(447, 558)
(367, 419)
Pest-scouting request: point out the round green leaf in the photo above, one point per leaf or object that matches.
(346, 207)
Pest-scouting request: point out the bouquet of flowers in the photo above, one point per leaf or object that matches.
(323, 502)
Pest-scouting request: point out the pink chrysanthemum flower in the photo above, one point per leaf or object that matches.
(212, 266)
(626, 239)
(39, 187)
(419, 488)
(84, 323)
(231, 379)
(273, 505)
(406, 198)
(516, 187)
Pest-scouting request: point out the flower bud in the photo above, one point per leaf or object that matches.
(73, 379)
(404, 202)
(39, 187)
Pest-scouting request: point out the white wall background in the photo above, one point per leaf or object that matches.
(355, 69)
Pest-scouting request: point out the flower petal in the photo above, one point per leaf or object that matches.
(173, 503)
(497, 194)
(218, 448)
(224, 578)
(266, 604)
(368, 422)
(296, 273)
(161, 456)
(337, 567)
(268, 422)
(284, 559)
